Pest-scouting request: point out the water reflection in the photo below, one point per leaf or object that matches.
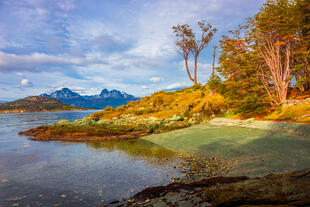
(34, 173)
(134, 148)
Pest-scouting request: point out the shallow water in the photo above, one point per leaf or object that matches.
(35, 173)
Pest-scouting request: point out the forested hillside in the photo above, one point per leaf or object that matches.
(35, 104)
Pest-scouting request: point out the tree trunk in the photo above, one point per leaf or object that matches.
(187, 69)
(195, 70)
(214, 49)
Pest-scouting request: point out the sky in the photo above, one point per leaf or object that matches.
(89, 45)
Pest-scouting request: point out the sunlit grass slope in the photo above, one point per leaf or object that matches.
(186, 103)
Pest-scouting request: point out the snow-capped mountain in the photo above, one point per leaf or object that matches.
(64, 93)
(112, 98)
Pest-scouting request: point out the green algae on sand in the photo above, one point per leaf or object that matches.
(257, 152)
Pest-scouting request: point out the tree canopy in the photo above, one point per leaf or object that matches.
(188, 44)
(264, 58)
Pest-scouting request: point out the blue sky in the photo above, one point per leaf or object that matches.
(88, 45)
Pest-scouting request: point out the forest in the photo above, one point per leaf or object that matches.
(266, 61)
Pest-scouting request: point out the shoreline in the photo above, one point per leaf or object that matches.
(86, 130)
(21, 111)
(291, 188)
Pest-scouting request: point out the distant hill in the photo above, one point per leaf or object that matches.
(112, 98)
(35, 104)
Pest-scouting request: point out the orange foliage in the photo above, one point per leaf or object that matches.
(279, 43)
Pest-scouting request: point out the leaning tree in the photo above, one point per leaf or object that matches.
(187, 44)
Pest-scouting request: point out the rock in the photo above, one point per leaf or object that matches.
(125, 116)
(192, 121)
(104, 122)
(176, 118)
(295, 102)
(84, 122)
(286, 189)
(63, 122)
(16, 198)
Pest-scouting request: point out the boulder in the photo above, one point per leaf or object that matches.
(176, 118)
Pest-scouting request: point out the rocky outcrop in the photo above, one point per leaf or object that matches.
(287, 189)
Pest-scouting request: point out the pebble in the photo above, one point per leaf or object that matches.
(4, 180)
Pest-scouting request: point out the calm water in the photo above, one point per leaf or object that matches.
(35, 173)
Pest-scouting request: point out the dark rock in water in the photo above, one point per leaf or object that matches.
(286, 189)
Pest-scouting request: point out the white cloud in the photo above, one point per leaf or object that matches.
(29, 62)
(155, 79)
(176, 85)
(26, 83)
(144, 87)
(19, 74)
(154, 24)
(66, 4)
(106, 44)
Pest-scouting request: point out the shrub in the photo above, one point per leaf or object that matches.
(215, 84)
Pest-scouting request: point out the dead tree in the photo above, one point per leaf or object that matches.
(275, 51)
(187, 44)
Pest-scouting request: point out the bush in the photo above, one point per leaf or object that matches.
(215, 84)
(251, 105)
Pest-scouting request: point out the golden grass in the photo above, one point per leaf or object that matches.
(186, 102)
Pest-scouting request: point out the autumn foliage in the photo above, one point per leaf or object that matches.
(264, 59)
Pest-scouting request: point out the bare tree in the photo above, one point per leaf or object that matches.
(187, 43)
(276, 53)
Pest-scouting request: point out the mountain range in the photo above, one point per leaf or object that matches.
(106, 98)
